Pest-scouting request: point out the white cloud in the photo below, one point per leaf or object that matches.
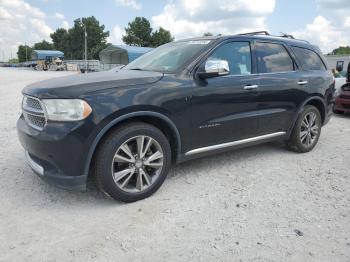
(193, 18)
(347, 22)
(116, 35)
(130, 3)
(323, 33)
(65, 25)
(20, 22)
(330, 29)
(59, 16)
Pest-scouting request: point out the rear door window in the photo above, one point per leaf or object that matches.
(273, 58)
(309, 59)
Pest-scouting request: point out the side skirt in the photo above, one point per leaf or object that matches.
(234, 143)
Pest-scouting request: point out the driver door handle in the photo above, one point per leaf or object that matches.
(302, 82)
(250, 87)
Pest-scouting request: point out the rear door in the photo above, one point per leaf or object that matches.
(319, 79)
(279, 85)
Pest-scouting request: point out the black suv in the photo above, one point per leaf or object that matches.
(183, 100)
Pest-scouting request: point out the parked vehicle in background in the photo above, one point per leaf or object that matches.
(342, 102)
(180, 101)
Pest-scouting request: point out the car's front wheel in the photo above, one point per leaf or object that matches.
(132, 162)
(306, 131)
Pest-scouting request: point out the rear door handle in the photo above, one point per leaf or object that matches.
(303, 82)
(250, 87)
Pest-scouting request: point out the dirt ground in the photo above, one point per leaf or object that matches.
(262, 203)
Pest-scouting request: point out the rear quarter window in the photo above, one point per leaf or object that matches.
(309, 59)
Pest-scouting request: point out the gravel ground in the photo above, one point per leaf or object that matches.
(262, 203)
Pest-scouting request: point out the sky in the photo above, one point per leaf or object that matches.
(325, 23)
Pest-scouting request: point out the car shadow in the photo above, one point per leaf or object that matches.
(234, 156)
(50, 196)
(345, 115)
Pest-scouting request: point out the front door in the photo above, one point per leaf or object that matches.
(224, 108)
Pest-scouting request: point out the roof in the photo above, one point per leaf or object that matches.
(131, 49)
(55, 53)
(122, 54)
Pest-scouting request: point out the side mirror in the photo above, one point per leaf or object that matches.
(214, 68)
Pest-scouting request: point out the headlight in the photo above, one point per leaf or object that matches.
(66, 109)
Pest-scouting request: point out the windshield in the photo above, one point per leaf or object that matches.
(168, 58)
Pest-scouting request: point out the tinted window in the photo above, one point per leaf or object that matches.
(273, 58)
(309, 59)
(237, 54)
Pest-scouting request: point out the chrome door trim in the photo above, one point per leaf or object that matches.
(233, 143)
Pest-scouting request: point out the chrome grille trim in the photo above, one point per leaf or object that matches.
(34, 165)
(33, 112)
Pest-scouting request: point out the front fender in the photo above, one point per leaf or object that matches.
(119, 119)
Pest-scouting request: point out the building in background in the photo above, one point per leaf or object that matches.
(115, 55)
(338, 62)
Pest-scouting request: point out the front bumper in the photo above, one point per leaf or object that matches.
(58, 153)
(61, 181)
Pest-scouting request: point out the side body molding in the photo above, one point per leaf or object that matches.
(125, 117)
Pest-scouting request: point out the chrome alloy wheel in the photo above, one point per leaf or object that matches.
(309, 130)
(137, 164)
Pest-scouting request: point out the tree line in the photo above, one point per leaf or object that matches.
(71, 42)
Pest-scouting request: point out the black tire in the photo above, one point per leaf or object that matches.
(105, 155)
(295, 142)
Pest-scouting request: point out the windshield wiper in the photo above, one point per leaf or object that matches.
(136, 68)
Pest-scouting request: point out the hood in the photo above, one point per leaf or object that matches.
(77, 85)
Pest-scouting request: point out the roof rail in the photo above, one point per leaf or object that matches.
(287, 35)
(256, 33)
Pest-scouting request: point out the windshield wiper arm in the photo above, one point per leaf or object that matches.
(136, 68)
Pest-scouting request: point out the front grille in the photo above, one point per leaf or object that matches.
(33, 112)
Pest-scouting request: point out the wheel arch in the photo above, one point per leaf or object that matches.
(157, 119)
(315, 101)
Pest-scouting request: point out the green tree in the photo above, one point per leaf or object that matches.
(138, 32)
(341, 50)
(59, 40)
(13, 61)
(71, 42)
(43, 45)
(160, 37)
(21, 53)
(96, 38)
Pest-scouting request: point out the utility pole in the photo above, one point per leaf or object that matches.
(85, 46)
(26, 50)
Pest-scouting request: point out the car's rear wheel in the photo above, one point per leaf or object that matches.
(306, 131)
(132, 162)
